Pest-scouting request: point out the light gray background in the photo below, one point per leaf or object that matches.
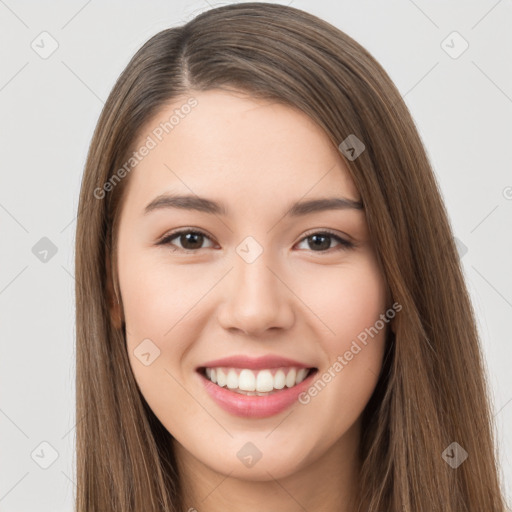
(48, 110)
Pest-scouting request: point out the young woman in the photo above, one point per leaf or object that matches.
(271, 314)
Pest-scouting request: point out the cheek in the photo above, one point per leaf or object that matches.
(158, 298)
(158, 308)
(158, 304)
(347, 300)
(354, 337)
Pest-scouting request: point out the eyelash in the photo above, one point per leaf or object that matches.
(344, 244)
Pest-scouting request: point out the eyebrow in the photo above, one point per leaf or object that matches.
(202, 204)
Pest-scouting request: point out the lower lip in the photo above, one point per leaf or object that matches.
(255, 406)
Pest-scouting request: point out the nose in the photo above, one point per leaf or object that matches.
(257, 300)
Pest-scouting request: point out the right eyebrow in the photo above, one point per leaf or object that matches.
(318, 205)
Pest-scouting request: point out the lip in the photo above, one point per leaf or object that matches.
(255, 406)
(254, 363)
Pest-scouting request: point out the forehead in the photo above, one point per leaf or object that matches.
(233, 145)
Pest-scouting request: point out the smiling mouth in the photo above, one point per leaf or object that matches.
(262, 382)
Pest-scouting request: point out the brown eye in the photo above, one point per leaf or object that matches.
(192, 241)
(321, 242)
(188, 240)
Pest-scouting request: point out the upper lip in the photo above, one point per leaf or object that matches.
(254, 363)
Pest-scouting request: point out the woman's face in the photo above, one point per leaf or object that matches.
(252, 278)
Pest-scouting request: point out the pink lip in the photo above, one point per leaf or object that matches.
(255, 406)
(254, 363)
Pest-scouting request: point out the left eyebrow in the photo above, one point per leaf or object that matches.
(202, 204)
(318, 205)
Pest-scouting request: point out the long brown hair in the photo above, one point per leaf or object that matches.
(432, 389)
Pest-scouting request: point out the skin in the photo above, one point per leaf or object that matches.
(257, 157)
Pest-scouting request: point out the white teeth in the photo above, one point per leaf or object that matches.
(221, 377)
(247, 381)
(301, 374)
(290, 378)
(264, 381)
(232, 380)
(260, 382)
(279, 379)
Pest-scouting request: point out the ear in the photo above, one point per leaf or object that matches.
(115, 309)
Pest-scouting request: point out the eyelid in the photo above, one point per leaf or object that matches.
(327, 231)
(165, 240)
(345, 242)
